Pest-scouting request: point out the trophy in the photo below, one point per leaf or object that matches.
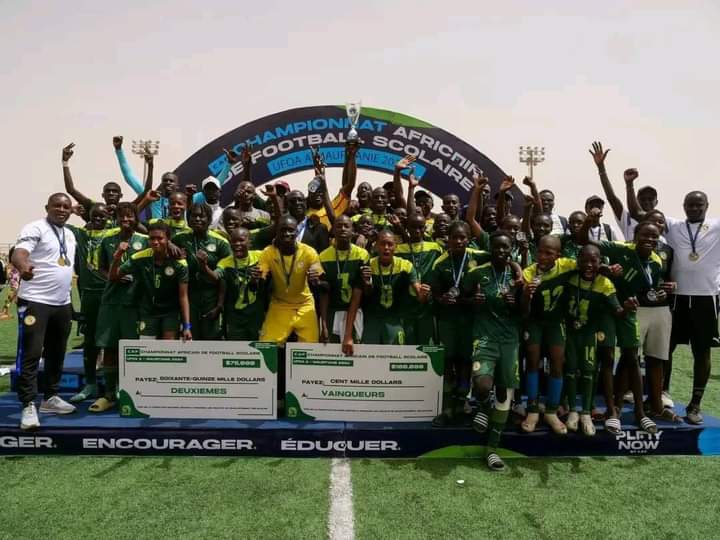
(352, 108)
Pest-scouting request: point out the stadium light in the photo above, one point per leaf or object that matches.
(531, 156)
(141, 147)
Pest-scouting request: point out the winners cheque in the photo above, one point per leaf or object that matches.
(198, 379)
(379, 383)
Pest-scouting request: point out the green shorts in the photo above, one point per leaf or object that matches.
(628, 331)
(498, 360)
(203, 328)
(606, 335)
(241, 328)
(156, 326)
(114, 323)
(383, 331)
(549, 333)
(456, 339)
(580, 348)
(420, 330)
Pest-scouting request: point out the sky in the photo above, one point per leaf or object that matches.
(637, 76)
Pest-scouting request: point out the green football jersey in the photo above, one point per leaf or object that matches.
(449, 269)
(588, 301)
(495, 317)
(262, 237)
(342, 271)
(123, 292)
(547, 301)
(216, 247)
(379, 221)
(158, 283)
(87, 257)
(242, 302)
(422, 255)
(570, 250)
(639, 275)
(390, 287)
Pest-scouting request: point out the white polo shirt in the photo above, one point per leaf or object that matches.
(51, 282)
(701, 277)
(627, 225)
(558, 228)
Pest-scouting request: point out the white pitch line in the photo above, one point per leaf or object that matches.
(341, 521)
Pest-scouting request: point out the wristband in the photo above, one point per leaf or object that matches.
(65, 163)
(186, 326)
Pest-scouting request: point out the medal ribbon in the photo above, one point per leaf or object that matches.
(456, 278)
(287, 273)
(691, 237)
(61, 243)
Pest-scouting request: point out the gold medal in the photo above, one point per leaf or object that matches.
(693, 256)
(61, 261)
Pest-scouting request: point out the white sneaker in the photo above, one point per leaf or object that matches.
(572, 421)
(667, 401)
(56, 405)
(29, 419)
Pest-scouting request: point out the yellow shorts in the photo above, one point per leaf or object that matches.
(282, 319)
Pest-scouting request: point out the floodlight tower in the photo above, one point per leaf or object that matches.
(531, 156)
(141, 148)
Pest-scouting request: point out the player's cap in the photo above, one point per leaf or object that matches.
(282, 184)
(594, 198)
(421, 194)
(211, 180)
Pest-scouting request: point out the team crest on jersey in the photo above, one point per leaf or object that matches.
(169, 271)
(705, 227)
(526, 335)
(137, 246)
(484, 280)
(30, 320)
(472, 264)
(212, 248)
(663, 255)
(601, 336)
(141, 325)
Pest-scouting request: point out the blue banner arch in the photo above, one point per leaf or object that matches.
(281, 146)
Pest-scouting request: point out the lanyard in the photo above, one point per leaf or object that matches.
(61, 245)
(386, 288)
(456, 277)
(693, 238)
(287, 273)
(337, 260)
(500, 286)
(241, 278)
(647, 270)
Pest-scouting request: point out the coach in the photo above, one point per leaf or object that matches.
(44, 256)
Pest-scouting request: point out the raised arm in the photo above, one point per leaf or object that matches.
(413, 183)
(150, 162)
(349, 176)
(529, 182)
(246, 157)
(404, 163)
(129, 176)
(599, 157)
(476, 203)
(591, 220)
(67, 153)
(634, 209)
(505, 186)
